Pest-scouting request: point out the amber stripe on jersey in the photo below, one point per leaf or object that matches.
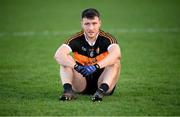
(84, 60)
(102, 33)
(74, 37)
(108, 36)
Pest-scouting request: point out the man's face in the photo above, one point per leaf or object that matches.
(91, 26)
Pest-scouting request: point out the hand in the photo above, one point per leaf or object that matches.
(88, 70)
(78, 68)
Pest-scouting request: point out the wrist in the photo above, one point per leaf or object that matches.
(75, 66)
(97, 66)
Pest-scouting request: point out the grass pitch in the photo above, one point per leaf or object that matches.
(147, 31)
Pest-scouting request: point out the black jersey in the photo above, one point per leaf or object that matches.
(85, 54)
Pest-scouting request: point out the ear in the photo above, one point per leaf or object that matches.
(100, 22)
(81, 23)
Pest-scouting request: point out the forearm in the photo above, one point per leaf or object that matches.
(109, 60)
(113, 57)
(65, 60)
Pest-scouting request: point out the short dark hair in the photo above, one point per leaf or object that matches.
(90, 13)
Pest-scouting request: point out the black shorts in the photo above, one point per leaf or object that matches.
(92, 83)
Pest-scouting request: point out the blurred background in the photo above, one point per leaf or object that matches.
(148, 32)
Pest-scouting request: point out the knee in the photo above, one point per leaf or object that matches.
(65, 68)
(117, 65)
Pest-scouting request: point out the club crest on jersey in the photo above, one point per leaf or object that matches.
(84, 49)
(91, 53)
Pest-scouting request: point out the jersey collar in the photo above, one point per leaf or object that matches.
(90, 43)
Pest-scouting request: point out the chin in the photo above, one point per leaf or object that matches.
(92, 36)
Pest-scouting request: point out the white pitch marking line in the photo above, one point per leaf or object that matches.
(123, 30)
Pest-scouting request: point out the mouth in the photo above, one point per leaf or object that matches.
(91, 32)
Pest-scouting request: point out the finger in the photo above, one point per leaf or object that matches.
(83, 71)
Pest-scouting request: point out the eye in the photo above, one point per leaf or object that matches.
(86, 24)
(94, 23)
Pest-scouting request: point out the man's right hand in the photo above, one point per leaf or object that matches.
(78, 68)
(86, 70)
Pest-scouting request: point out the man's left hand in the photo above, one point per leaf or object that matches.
(88, 70)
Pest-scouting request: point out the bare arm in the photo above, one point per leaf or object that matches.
(113, 56)
(62, 56)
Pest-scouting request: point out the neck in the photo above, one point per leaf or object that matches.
(91, 41)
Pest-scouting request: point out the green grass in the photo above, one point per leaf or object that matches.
(29, 75)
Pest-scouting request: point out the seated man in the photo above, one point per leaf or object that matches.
(95, 66)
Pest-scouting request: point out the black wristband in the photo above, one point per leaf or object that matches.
(75, 66)
(97, 66)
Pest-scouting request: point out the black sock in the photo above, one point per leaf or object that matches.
(104, 87)
(67, 87)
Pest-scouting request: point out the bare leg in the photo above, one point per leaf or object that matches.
(69, 75)
(110, 76)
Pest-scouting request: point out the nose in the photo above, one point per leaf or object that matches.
(91, 27)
